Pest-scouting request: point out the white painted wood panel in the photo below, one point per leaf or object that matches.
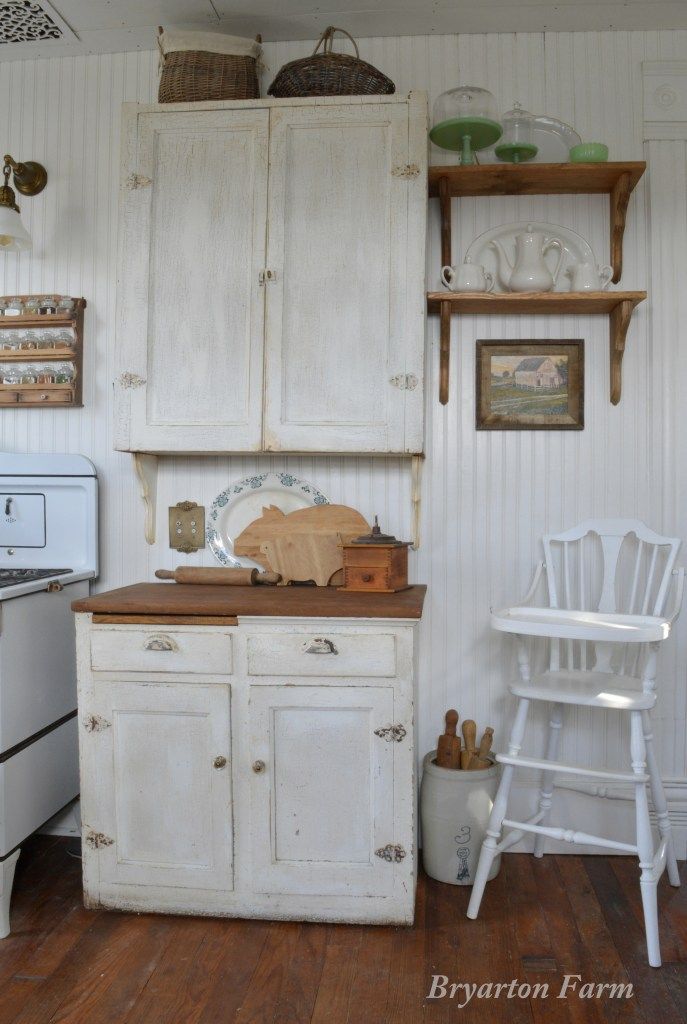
(487, 497)
(160, 799)
(324, 802)
(337, 332)
(191, 329)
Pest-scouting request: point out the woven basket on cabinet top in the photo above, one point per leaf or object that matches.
(330, 74)
(190, 75)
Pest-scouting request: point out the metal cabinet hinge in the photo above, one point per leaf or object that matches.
(391, 733)
(94, 723)
(405, 171)
(131, 380)
(394, 854)
(267, 275)
(96, 840)
(138, 181)
(404, 381)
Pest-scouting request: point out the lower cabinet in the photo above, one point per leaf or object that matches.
(245, 794)
(162, 805)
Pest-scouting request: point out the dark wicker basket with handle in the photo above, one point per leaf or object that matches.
(191, 75)
(330, 74)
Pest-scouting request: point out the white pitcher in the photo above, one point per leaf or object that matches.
(588, 277)
(467, 277)
(529, 272)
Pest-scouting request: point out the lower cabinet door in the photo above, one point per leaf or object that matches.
(164, 785)
(321, 790)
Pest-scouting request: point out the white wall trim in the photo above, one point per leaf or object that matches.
(664, 85)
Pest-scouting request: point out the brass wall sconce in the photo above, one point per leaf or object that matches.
(29, 178)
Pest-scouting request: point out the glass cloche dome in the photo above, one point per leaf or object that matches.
(517, 142)
(465, 119)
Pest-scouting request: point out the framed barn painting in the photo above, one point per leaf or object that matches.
(530, 385)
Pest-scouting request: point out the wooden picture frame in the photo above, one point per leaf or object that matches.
(530, 385)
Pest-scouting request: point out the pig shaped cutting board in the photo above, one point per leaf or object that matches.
(301, 545)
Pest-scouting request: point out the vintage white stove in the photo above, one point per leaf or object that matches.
(48, 553)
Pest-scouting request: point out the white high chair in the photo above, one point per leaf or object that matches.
(603, 654)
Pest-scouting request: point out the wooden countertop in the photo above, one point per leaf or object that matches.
(187, 599)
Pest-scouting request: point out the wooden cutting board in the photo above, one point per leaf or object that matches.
(305, 543)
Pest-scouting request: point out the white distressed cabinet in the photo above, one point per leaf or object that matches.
(258, 770)
(271, 276)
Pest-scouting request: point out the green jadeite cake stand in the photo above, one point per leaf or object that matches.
(516, 152)
(465, 135)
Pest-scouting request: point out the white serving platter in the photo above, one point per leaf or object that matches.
(243, 501)
(574, 247)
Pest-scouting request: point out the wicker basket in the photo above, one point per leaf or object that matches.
(191, 75)
(330, 74)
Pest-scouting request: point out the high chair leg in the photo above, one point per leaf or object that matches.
(546, 788)
(645, 844)
(659, 800)
(490, 845)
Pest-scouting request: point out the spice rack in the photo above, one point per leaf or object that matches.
(617, 180)
(49, 393)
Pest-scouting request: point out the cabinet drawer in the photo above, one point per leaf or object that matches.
(158, 650)
(322, 654)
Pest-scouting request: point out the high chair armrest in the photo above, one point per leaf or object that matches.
(565, 624)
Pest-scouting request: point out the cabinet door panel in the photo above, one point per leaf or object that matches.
(162, 801)
(191, 309)
(337, 329)
(324, 802)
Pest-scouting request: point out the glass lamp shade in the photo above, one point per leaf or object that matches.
(517, 143)
(13, 235)
(465, 119)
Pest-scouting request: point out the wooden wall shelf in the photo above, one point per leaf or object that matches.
(618, 305)
(49, 394)
(616, 179)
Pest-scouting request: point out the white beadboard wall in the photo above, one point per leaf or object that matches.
(487, 496)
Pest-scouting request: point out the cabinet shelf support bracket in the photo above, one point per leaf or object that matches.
(618, 324)
(146, 471)
(445, 309)
(618, 200)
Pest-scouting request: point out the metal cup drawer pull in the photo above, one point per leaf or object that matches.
(160, 642)
(319, 645)
(258, 766)
(219, 762)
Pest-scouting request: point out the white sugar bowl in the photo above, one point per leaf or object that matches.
(467, 277)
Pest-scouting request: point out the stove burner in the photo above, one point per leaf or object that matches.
(10, 577)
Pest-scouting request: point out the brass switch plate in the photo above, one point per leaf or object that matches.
(187, 527)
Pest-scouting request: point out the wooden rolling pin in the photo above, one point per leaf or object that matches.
(218, 577)
(470, 735)
(448, 745)
(486, 741)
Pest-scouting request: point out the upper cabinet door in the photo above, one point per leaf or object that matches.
(190, 302)
(345, 305)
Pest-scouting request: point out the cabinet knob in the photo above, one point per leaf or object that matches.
(258, 766)
(367, 577)
(219, 762)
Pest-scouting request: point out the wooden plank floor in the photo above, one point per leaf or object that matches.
(540, 921)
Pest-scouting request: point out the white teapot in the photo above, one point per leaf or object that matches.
(588, 277)
(529, 272)
(467, 277)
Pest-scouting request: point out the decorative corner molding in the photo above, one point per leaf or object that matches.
(146, 471)
(665, 100)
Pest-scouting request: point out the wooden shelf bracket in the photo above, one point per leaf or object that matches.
(619, 322)
(618, 201)
(445, 310)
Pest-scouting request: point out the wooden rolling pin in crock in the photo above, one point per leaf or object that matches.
(448, 744)
(223, 577)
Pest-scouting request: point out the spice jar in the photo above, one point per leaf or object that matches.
(28, 340)
(64, 374)
(8, 340)
(31, 306)
(27, 375)
(14, 307)
(10, 374)
(65, 305)
(45, 375)
(47, 304)
(63, 338)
